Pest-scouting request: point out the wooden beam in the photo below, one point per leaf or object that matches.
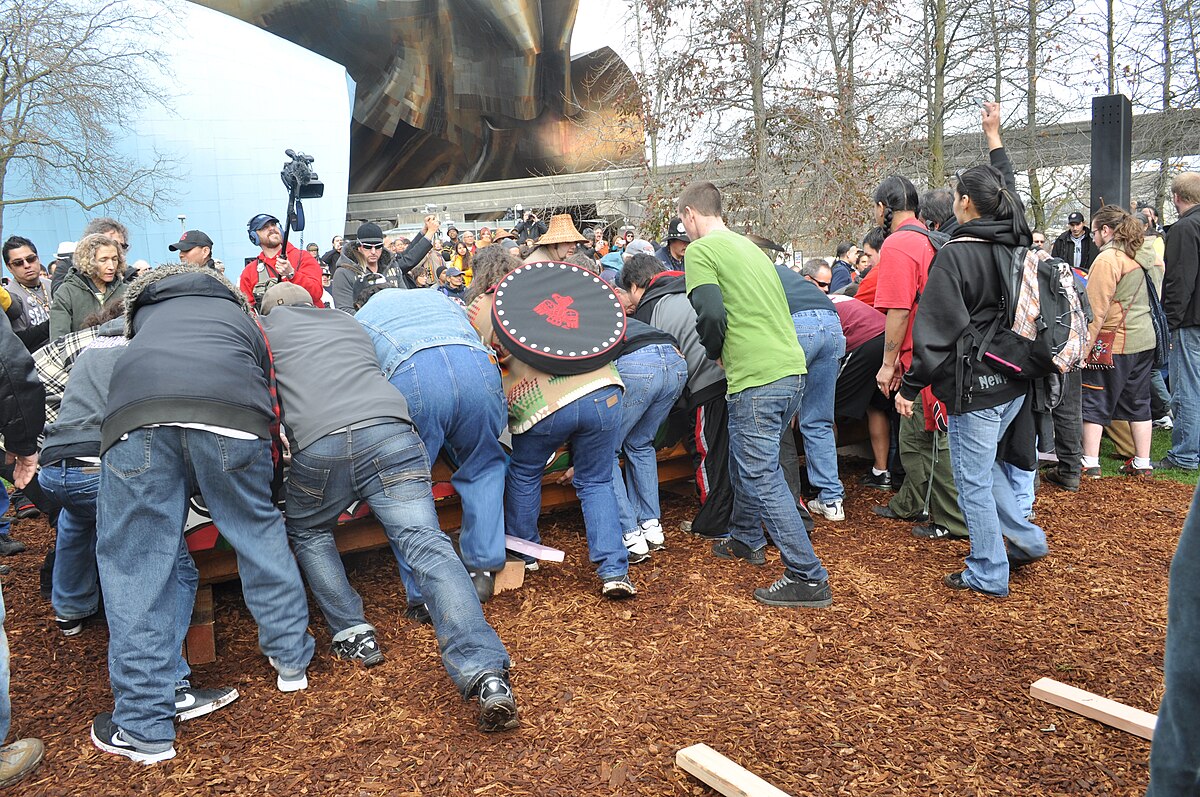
(200, 645)
(533, 549)
(1110, 712)
(722, 774)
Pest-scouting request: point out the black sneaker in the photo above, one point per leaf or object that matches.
(497, 706)
(1058, 479)
(794, 592)
(70, 627)
(191, 702)
(420, 613)
(23, 508)
(955, 581)
(886, 512)
(9, 546)
(735, 549)
(931, 531)
(485, 584)
(362, 647)
(109, 738)
(1018, 558)
(883, 481)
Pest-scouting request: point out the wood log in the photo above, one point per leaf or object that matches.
(724, 775)
(1110, 712)
(200, 645)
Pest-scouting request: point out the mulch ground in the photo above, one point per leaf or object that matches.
(902, 687)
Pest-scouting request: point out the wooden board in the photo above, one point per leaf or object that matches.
(511, 577)
(200, 645)
(724, 775)
(1110, 712)
(533, 549)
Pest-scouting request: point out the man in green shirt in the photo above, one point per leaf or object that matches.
(744, 324)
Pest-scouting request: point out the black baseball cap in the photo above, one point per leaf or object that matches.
(190, 240)
(1075, 218)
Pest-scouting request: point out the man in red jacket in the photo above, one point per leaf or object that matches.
(268, 269)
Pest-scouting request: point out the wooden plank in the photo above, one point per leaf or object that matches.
(722, 774)
(533, 549)
(200, 645)
(1110, 712)
(511, 577)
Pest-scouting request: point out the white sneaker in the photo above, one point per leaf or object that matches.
(289, 680)
(635, 543)
(1164, 422)
(652, 533)
(830, 511)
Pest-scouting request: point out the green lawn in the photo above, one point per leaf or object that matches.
(1159, 446)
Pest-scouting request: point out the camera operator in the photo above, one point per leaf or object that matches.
(530, 227)
(269, 269)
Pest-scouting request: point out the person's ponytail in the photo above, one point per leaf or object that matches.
(1128, 232)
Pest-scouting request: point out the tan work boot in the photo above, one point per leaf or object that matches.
(19, 759)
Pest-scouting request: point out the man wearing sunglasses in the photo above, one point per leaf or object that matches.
(22, 261)
(297, 265)
(366, 264)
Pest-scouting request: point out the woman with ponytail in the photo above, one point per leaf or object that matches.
(964, 301)
(900, 275)
(1116, 385)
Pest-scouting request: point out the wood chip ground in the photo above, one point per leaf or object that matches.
(902, 687)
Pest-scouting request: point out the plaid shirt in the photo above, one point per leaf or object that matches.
(54, 362)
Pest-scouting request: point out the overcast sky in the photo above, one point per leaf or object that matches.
(601, 23)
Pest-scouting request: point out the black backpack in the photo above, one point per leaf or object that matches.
(1158, 319)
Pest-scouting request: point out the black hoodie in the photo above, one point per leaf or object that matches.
(195, 356)
(961, 301)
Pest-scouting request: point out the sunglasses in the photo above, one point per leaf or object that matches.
(821, 284)
(370, 246)
(18, 262)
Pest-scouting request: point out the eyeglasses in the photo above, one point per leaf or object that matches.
(821, 284)
(370, 246)
(18, 262)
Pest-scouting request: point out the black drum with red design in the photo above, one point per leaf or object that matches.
(557, 317)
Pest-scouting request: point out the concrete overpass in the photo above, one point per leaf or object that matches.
(620, 191)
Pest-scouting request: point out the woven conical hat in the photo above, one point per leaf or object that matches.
(562, 231)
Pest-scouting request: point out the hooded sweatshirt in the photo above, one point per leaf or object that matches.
(196, 355)
(75, 434)
(665, 305)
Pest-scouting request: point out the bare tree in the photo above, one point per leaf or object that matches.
(73, 76)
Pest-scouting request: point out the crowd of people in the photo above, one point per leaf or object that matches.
(321, 379)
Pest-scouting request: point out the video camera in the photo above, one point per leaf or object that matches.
(299, 178)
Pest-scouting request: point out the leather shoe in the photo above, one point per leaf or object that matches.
(1069, 483)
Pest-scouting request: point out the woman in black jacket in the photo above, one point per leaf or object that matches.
(965, 294)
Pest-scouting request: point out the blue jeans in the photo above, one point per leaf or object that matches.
(386, 465)
(5, 704)
(76, 594)
(988, 499)
(757, 417)
(654, 377)
(5, 524)
(1022, 486)
(456, 400)
(820, 335)
(1175, 753)
(145, 483)
(1185, 397)
(590, 425)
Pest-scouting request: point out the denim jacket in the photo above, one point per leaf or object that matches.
(402, 323)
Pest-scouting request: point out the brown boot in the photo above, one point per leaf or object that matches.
(20, 759)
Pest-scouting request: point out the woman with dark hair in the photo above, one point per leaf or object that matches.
(1116, 383)
(900, 275)
(462, 261)
(965, 297)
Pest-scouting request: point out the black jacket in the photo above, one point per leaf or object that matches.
(1181, 285)
(196, 355)
(22, 397)
(1064, 249)
(639, 335)
(962, 299)
(529, 229)
(665, 305)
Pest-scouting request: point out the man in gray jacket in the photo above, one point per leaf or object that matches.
(352, 438)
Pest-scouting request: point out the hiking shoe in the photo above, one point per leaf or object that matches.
(191, 702)
(735, 549)
(497, 706)
(685, 526)
(652, 533)
(70, 627)
(831, 510)
(360, 647)
(1164, 422)
(955, 581)
(289, 680)
(5, 570)
(1018, 558)
(485, 584)
(1166, 462)
(109, 738)
(931, 531)
(618, 588)
(9, 546)
(419, 612)
(1139, 473)
(795, 592)
(1091, 473)
(882, 481)
(1059, 479)
(19, 759)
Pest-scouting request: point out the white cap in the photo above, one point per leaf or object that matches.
(66, 248)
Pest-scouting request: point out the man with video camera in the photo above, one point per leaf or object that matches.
(530, 227)
(298, 266)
